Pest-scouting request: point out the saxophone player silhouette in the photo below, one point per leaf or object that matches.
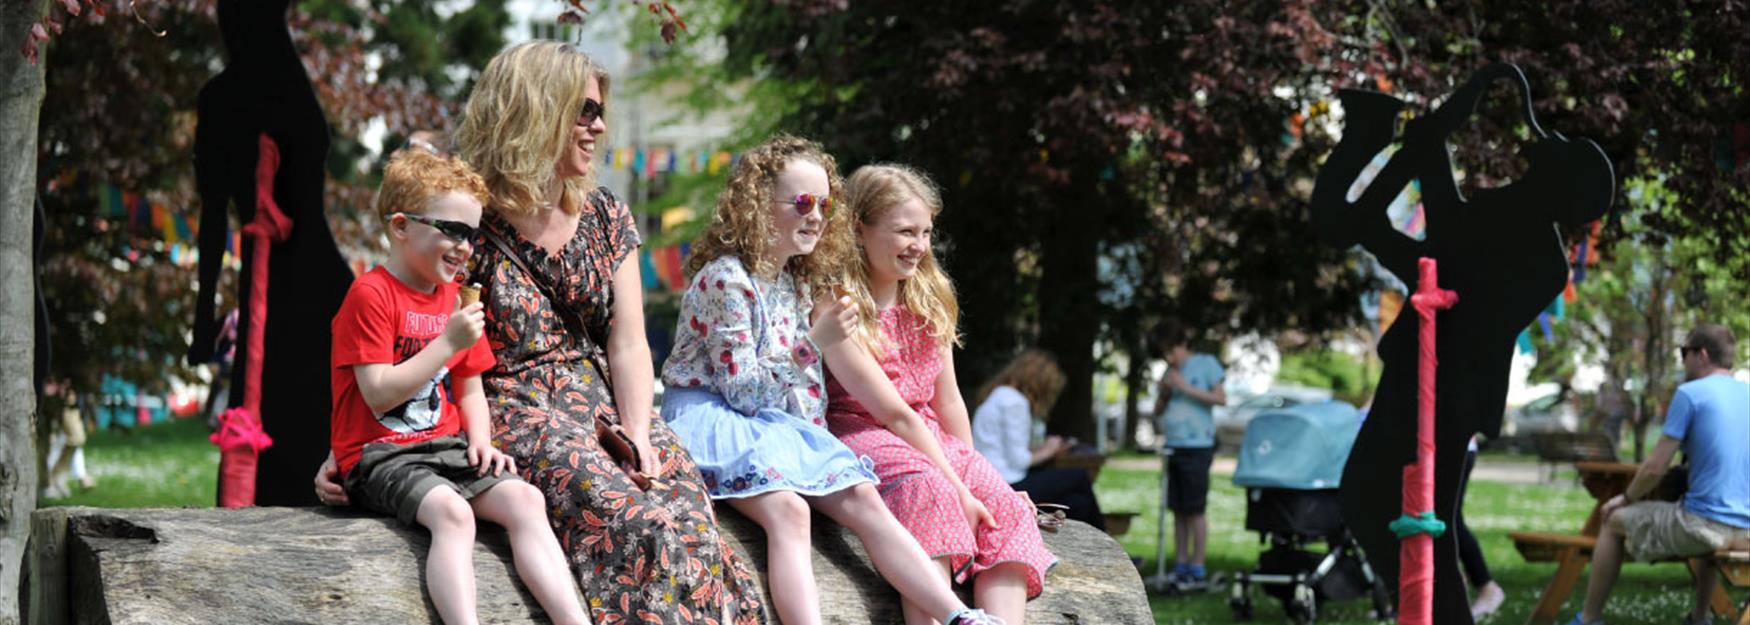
(1499, 249)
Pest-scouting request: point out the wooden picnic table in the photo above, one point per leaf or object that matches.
(1087, 461)
(1571, 552)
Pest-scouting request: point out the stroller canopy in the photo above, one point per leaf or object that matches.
(1301, 447)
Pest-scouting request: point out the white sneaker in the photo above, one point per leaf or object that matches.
(973, 617)
(1488, 600)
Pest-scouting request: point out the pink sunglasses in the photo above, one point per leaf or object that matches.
(805, 203)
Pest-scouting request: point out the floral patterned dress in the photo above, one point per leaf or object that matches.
(915, 490)
(640, 557)
(746, 389)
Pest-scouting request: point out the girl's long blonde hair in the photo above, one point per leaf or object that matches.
(518, 121)
(742, 223)
(1035, 374)
(870, 192)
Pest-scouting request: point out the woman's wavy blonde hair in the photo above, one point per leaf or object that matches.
(742, 223)
(870, 192)
(1035, 374)
(517, 123)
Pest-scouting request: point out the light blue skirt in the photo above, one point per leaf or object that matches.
(745, 455)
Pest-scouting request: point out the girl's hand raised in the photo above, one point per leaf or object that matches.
(834, 320)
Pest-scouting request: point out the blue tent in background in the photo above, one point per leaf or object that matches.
(1301, 447)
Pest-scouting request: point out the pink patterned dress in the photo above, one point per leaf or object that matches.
(914, 489)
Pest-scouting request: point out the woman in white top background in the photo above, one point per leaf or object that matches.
(1002, 430)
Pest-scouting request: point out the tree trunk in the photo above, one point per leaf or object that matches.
(1640, 430)
(1657, 354)
(1134, 383)
(990, 307)
(21, 97)
(1069, 313)
(306, 565)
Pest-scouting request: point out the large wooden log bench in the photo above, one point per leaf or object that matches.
(303, 565)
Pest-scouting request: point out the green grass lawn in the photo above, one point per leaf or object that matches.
(172, 464)
(1645, 594)
(160, 465)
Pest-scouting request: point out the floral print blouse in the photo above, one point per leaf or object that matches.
(746, 338)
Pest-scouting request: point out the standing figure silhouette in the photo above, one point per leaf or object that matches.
(264, 89)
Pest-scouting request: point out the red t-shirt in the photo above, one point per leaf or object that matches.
(383, 321)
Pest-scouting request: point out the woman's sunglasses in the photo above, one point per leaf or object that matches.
(592, 110)
(805, 203)
(455, 230)
(1050, 516)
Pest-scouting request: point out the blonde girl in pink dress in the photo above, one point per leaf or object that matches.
(892, 396)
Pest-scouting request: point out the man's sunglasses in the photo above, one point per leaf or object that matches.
(592, 110)
(1686, 350)
(805, 203)
(455, 230)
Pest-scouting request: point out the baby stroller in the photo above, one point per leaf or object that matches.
(1290, 465)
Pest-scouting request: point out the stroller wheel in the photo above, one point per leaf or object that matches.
(1242, 609)
(1240, 601)
(1302, 613)
(1304, 608)
(1382, 608)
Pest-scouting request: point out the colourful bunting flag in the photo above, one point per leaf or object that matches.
(647, 269)
(674, 217)
(674, 273)
(184, 229)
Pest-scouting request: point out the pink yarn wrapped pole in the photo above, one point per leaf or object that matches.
(240, 436)
(1416, 554)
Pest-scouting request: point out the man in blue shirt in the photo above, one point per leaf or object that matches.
(1709, 419)
(1190, 389)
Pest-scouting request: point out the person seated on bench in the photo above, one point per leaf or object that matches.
(1002, 430)
(1709, 419)
(411, 435)
(892, 395)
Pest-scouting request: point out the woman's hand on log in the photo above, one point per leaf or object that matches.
(328, 489)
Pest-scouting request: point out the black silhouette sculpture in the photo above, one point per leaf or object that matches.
(264, 89)
(1499, 250)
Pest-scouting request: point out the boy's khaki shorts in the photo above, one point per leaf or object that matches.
(1661, 530)
(394, 479)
